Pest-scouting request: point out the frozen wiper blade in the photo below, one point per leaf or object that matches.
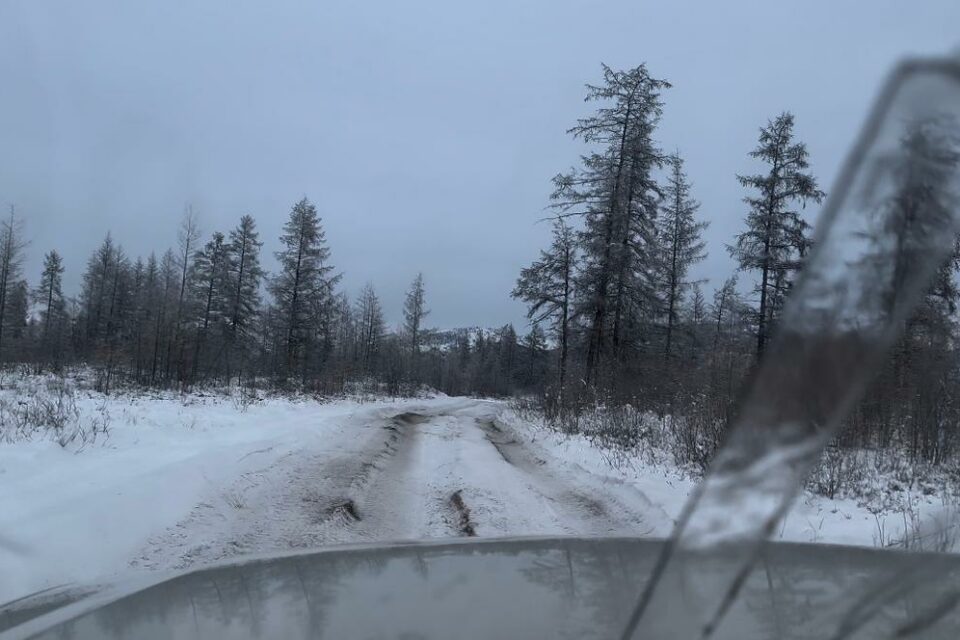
(889, 224)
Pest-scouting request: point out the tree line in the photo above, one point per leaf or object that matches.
(632, 327)
(616, 317)
(207, 313)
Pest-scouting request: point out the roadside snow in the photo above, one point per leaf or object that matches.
(68, 515)
(184, 481)
(926, 519)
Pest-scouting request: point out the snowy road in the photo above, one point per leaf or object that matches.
(434, 471)
(187, 480)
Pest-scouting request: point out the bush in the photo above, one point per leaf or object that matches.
(689, 431)
(32, 406)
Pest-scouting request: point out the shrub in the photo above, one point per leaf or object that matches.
(32, 406)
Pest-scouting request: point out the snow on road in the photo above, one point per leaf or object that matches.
(185, 481)
(179, 485)
(396, 479)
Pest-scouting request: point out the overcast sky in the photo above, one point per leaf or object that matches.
(425, 132)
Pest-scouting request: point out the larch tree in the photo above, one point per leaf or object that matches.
(615, 192)
(921, 204)
(211, 289)
(535, 344)
(414, 312)
(546, 286)
(165, 298)
(303, 285)
(119, 311)
(147, 279)
(187, 238)
(370, 328)
(12, 248)
(697, 315)
(912, 213)
(19, 332)
(49, 295)
(346, 347)
(245, 275)
(107, 301)
(723, 309)
(775, 239)
(681, 243)
(506, 359)
(97, 292)
(331, 312)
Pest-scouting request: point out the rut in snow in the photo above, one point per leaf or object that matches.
(409, 475)
(305, 499)
(463, 511)
(578, 496)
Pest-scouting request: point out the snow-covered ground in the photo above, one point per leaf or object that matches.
(929, 519)
(188, 480)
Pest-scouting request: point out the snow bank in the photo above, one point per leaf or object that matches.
(68, 514)
(916, 519)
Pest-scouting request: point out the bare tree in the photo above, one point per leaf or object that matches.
(11, 259)
(370, 328)
(187, 239)
(164, 296)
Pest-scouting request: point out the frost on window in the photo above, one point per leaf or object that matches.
(888, 227)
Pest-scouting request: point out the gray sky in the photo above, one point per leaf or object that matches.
(425, 132)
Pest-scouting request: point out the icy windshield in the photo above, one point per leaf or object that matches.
(890, 225)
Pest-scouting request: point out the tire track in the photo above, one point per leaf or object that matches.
(464, 524)
(411, 475)
(305, 499)
(584, 498)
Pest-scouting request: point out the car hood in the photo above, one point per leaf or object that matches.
(507, 588)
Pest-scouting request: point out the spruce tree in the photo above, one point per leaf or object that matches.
(775, 239)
